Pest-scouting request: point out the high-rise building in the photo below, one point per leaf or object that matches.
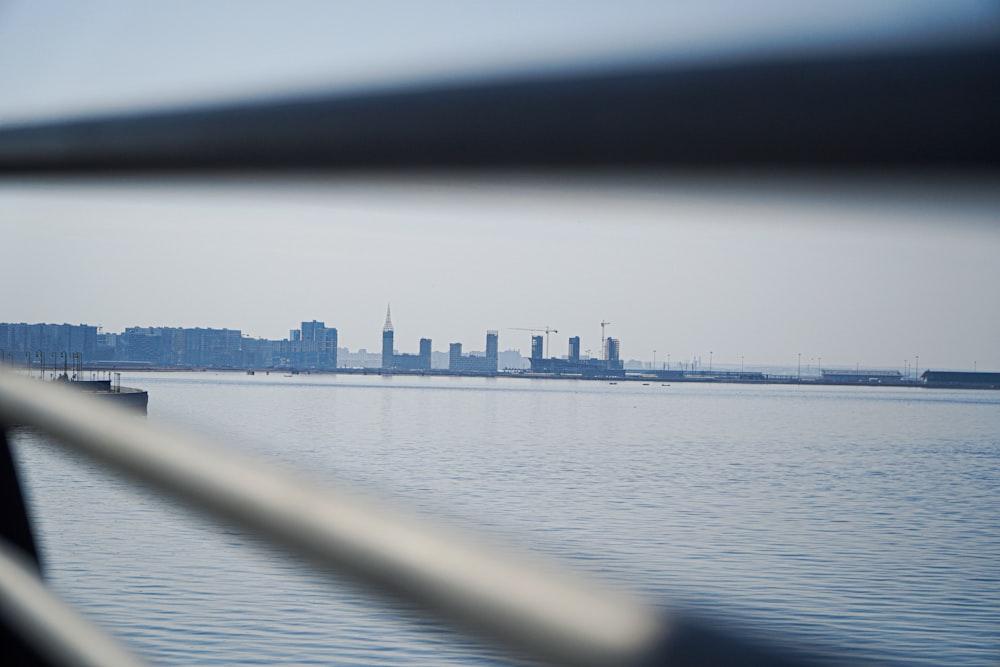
(311, 346)
(327, 348)
(455, 357)
(311, 330)
(574, 348)
(425, 354)
(537, 347)
(403, 362)
(387, 336)
(612, 351)
(492, 350)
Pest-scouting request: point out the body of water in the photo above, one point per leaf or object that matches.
(860, 518)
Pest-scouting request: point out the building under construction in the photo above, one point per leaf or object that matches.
(610, 366)
(474, 363)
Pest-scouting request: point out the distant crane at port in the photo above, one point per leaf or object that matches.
(604, 348)
(547, 331)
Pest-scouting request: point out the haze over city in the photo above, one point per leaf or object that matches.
(688, 268)
(755, 269)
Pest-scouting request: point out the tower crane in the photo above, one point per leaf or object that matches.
(547, 331)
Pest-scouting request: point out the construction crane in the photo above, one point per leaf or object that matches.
(547, 331)
(604, 348)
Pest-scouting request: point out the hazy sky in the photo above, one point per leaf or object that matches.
(759, 270)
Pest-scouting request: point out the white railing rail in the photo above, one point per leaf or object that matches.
(527, 606)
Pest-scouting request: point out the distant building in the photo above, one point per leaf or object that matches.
(207, 348)
(29, 343)
(612, 350)
(314, 346)
(861, 376)
(387, 341)
(475, 363)
(574, 349)
(492, 350)
(402, 362)
(454, 356)
(512, 359)
(537, 347)
(573, 366)
(961, 379)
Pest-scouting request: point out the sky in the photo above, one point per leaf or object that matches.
(758, 268)
(744, 268)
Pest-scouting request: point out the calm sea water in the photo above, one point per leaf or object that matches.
(863, 518)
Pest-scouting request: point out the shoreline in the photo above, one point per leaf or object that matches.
(644, 376)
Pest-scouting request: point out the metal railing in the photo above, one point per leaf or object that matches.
(919, 108)
(533, 608)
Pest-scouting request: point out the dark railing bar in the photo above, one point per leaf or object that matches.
(910, 108)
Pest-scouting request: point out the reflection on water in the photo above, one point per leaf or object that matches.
(862, 517)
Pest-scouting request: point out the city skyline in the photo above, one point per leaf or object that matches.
(733, 271)
(314, 345)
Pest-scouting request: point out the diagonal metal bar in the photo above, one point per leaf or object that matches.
(15, 526)
(46, 624)
(522, 604)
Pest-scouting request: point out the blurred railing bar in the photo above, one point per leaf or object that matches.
(524, 605)
(53, 629)
(920, 107)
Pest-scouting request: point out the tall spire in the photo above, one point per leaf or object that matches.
(388, 320)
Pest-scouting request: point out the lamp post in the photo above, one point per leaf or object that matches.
(41, 362)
